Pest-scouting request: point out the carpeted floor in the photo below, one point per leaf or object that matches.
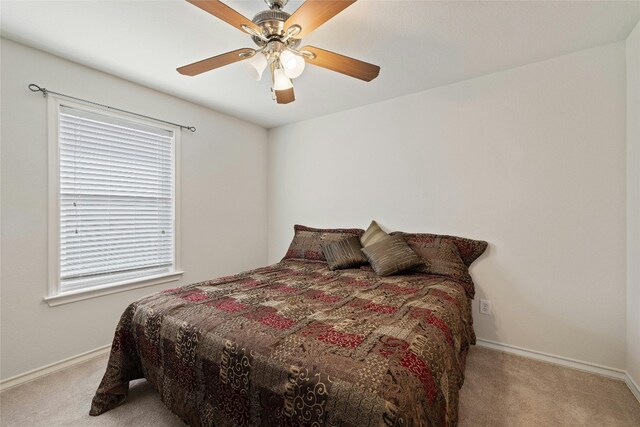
(500, 390)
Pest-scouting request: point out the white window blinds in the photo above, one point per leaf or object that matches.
(116, 200)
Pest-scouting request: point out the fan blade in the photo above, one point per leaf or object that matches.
(224, 12)
(215, 62)
(342, 64)
(314, 13)
(285, 96)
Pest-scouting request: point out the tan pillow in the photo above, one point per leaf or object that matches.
(344, 253)
(391, 255)
(374, 234)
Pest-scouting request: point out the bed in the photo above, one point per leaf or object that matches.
(297, 344)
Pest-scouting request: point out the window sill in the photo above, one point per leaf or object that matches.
(98, 291)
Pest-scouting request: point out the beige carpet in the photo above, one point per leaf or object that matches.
(500, 390)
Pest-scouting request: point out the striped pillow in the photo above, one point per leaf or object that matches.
(345, 253)
(391, 255)
(374, 234)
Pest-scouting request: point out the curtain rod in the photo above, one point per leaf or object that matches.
(35, 88)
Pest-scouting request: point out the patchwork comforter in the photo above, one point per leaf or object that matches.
(296, 344)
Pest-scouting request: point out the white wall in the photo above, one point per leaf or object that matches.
(633, 204)
(531, 159)
(223, 194)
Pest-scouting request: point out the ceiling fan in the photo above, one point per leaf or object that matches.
(278, 35)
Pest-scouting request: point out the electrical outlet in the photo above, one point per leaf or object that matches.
(485, 306)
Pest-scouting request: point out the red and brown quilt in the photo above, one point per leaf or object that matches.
(296, 344)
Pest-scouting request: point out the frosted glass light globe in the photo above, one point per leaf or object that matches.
(280, 80)
(293, 64)
(255, 65)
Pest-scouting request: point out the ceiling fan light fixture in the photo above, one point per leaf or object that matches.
(278, 35)
(255, 65)
(292, 64)
(280, 80)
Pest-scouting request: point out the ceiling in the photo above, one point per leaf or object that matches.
(418, 44)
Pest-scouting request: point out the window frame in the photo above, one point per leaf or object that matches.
(54, 295)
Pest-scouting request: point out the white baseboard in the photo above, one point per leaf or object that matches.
(556, 360)
(565, 361)
(633, 386)
(53, 367)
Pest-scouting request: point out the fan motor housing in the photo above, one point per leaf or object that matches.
(271, 21)
(272, 24)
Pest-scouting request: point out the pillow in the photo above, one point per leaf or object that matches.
(391, 255)
(307, 242)
(344, 253)
(442, 257)
(469, 249)
(374, 234)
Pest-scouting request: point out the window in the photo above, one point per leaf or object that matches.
(113, 216)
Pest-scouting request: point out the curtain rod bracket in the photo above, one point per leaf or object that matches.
(35, 88)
